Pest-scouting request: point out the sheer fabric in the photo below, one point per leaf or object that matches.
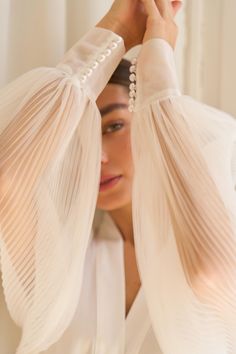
(183, 198)
(184, 211)
(101, 309)
(50, 170)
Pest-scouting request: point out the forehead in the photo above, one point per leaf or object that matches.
(112, 94)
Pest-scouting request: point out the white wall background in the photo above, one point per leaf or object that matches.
(210, 52)
(37, 32)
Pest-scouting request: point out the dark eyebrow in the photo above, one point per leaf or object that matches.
(111, 107)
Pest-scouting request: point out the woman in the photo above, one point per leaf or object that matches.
(65, 285)
(115, 192)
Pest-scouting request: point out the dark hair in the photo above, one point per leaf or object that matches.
(121, 74)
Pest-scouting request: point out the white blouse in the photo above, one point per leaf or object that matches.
(102, 308)
(109, 306)
(62, 274)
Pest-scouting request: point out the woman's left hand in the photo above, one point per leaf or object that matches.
(160, 20)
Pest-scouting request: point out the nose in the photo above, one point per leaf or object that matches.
(104, 158)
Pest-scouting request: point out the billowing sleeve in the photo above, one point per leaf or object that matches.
(184, 209)
(50, 156)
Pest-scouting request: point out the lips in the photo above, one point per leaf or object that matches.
(108, 181)
(107, 178)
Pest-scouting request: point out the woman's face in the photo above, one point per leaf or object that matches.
(116, 164)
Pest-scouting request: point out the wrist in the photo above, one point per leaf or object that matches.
(158, 29)
(114, 25)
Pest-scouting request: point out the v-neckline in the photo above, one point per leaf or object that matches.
(110, 251)
(135, 303)
(137, 323)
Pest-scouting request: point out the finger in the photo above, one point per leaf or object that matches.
(151, 8)
(176, 5)
(164, 7)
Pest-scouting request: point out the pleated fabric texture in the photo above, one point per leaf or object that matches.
(50, 158)
(47, 203)
(183, 198)
(184, 211)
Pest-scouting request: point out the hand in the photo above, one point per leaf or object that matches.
(128, 19)
(160, 20)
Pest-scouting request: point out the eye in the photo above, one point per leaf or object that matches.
(112, 127)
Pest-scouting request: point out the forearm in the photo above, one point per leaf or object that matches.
(115, 25)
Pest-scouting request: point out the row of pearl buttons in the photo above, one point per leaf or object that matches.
(132, 86)
(100, 58)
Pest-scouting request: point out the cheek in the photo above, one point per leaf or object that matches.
(121, 152)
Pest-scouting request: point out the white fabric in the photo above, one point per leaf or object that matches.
(184, 200)
(105, 264)
(45, 240)
(79, 337)
(183, 207)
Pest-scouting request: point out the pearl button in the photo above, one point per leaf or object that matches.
(95, 65)
(132, 77)
(119, 40)
(101, 58)
(131, 101)
(107, 52)
(131, 108)
(83, 78)
(89, 72)
(132, 69)
(132, 94)
(132, 87)
(113, 45)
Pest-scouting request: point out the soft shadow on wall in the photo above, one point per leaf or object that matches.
(210, 52)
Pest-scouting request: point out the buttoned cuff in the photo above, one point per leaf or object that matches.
(93, 59)
(155, 75)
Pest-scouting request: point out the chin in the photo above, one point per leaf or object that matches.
(110, 204)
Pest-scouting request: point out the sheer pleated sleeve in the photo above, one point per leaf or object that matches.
(184, 210)
(50, 156)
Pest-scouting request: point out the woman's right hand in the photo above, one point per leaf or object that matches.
(160, 20)
(127, 18)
